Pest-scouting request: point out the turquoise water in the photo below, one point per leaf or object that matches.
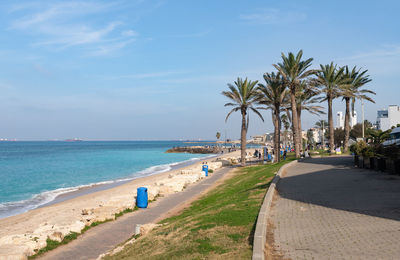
(34, 173)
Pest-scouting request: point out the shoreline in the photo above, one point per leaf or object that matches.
(25, 233)
(51, 197)
(96, 187)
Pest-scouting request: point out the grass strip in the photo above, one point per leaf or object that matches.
(220, 224)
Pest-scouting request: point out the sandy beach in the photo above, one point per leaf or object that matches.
(23, 234)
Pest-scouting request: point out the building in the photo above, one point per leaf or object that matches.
(353, 119)
(387, 118)
(340, 118)
(394, 137)
(317, 134)
(257, 139)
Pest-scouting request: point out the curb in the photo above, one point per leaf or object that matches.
(260, 234)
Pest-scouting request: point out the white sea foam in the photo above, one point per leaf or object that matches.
(8, 209)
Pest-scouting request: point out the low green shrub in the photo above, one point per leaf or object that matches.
(368, 151)
(358, 147)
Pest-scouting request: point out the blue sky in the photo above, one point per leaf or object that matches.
(155, 69)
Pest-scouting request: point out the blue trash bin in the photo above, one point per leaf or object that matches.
(142, 197)
(205, 169)
(269, 157)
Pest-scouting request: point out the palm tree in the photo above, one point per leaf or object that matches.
(310, 139)
(293, 70)
(376, 137)
(272, 96)
(285, 121)
(244, 96)
(331, 79)
(305, 100)
(321, 124)
(357, 79)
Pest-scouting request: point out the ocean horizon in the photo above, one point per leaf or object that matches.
(34, 173)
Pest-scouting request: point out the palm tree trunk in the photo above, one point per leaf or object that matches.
(277, 134)
(299, 126)
(330, 122)
(347, 125)
(243, 139)
(295, 122)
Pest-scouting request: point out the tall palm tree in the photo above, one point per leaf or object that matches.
(293, 69)
(352, 91)
(272, 96)
(286, 124)
(244, 96)
(376, 137)
(331, 79)
(321, 124)
(306, 97)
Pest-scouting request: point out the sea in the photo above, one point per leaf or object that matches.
(33, 174)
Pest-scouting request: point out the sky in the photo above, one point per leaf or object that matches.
(155, 70)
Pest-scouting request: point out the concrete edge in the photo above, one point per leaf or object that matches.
(260, 234)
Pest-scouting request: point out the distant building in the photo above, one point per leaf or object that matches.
(353, 119)
(387, 118)
(257, 139)
(268, 137)
(394, 137)
(317, 134)
(340, 118)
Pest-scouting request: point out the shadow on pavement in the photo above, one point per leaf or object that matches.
(334, 183)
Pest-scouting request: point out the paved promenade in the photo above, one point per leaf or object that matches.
(102, 238)
(326, 209)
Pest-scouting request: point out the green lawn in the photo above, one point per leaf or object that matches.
(218, 225)
(323, 153)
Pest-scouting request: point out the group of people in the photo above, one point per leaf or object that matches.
(258, 154)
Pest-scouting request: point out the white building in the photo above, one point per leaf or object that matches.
(388, 117)
(353, 119)
(316, 134)
(340, 119)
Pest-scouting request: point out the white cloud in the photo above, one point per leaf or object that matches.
(381, 61)
(64, 25)
(129, 33)
(385, 51)
(273, 16)
(110, 48)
